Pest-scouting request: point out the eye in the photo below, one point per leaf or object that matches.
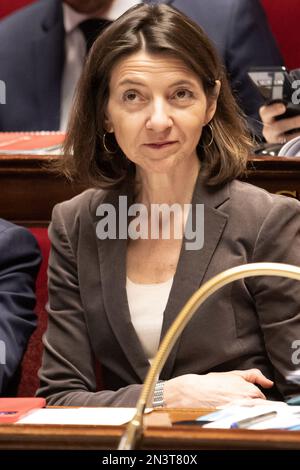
(132, 96)
(182, 94)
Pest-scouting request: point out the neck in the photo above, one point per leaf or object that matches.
(169, 188)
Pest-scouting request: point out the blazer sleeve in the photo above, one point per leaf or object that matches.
(250, 43)
(19, 264)
(67, 374)
(277, 299)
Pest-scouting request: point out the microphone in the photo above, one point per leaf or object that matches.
(134, 431)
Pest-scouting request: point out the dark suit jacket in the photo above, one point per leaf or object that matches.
(32, 56)
(250, 323)
(19, 263)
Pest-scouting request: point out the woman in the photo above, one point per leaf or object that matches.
(154, 122)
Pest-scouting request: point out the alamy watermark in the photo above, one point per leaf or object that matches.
(2, 353)
(296, 354)
(160, 221)
(2, 92)
(293, 376)
(296, 93)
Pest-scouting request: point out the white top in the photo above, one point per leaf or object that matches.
(75, 51)
(147, 303)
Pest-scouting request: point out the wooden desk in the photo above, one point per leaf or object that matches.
(29, 190)
(42, 437)
(278, 175)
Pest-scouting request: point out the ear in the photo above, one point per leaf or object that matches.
(108, 126)
(212, 101)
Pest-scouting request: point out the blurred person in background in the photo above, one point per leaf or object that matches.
(43, 48)
(19, 264)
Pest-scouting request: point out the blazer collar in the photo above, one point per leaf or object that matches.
(191, 269)
(193, 264)
(112, 258)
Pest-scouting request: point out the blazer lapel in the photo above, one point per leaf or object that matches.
(48, 54)
(193, 265)
(112, 255)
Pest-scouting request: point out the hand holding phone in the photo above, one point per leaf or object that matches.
(276, 85)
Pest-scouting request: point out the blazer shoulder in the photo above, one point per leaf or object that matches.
(223, 6)
(238, 5)
(25, 23)
(20, 238)
(252, 199)
(5, 224)
(79, 207)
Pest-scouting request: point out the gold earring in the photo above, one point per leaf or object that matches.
(105, 146)
(212, 136)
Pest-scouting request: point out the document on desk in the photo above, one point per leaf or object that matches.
(277, 416)
(80, 416)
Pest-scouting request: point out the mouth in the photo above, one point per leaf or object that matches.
(161, 145)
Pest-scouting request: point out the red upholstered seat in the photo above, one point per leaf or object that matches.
(8, 7)
(32, 359)
(284, 21)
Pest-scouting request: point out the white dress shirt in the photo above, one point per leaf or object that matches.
(75, 51)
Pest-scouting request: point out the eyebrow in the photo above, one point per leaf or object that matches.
(184, 83)
(138, 83)
(130, 82)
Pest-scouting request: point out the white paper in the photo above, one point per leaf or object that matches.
(287, 417)
(80, 416)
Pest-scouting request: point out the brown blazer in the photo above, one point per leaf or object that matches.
(250, 323)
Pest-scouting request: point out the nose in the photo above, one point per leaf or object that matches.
(159, 118)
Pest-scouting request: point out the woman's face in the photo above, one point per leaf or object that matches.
(156, 109)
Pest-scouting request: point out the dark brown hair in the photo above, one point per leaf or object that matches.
(158, 29)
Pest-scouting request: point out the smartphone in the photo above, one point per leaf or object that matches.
(275, 86)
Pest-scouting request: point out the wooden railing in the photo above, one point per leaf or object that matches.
(159, 434)
(29, 189)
